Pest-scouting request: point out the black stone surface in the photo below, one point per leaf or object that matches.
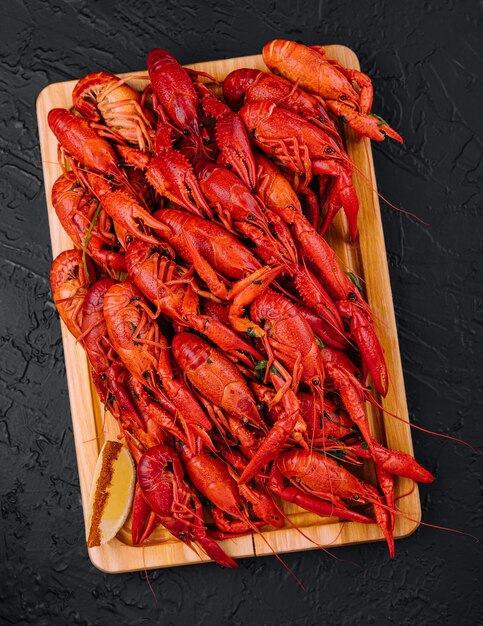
(425, 60)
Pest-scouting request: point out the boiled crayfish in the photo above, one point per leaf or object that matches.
(223, 333)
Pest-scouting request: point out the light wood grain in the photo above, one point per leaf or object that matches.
(366, 258)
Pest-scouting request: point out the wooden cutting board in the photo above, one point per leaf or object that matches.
(366, 258)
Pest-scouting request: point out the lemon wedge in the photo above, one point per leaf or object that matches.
(111, 494)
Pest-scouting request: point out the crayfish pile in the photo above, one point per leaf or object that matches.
(223, 334)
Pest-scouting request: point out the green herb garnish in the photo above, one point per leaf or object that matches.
(355, 280)
(319, 341)
(381, 121)
(88, 236)
(339, 455)
(261, 368)
(134, 327)
(110, 400)
(329, 418)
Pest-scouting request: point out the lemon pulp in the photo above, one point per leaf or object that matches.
(111, 494)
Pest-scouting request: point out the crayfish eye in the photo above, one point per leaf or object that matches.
(352, 296)
(343, 98)
(129, 239)
(329, 150)
(182, 536)
(103, 377)
(316, 382)
(356, 496)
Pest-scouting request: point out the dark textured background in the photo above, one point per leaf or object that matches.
(426, 65)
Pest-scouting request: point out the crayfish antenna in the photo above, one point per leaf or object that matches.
(149, 582)
(320, 546)
(370, 399)
(405, 495)
(396, 511)
(275, 554)
(367, 180)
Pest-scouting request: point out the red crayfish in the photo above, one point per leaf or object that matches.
(224, 335)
